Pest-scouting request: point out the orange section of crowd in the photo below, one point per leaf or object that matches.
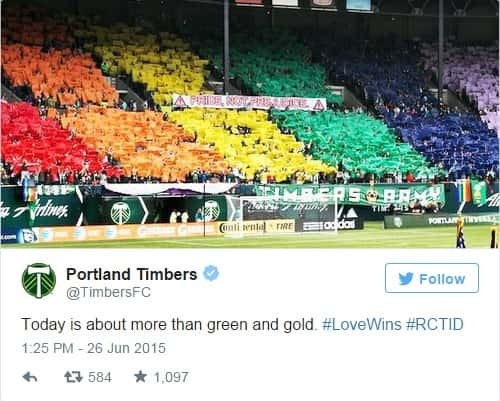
(144, 143)
(64, 76)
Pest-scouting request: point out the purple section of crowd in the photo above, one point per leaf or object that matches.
(472, 72)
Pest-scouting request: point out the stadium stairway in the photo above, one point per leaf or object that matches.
(217, 86)
(350, 99)
(451, 99)
(9, 96)
(126, 92)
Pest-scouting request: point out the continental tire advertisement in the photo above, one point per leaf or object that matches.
(430, 220)
(258, 227)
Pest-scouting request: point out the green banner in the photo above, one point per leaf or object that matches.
(127, 210)
(356, 194)
(479, 192)
(429, 220)
(148, 209)
(213, 207)
(56, 209)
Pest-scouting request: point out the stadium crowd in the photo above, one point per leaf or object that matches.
(81, 132)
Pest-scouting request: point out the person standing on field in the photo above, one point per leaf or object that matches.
(460, 231)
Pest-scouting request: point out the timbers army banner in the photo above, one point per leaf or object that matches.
(355, 194)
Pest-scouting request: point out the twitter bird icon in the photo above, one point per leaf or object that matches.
(405, 279)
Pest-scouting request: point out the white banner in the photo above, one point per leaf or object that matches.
(289, 3)
(249, 102)
(151, 189)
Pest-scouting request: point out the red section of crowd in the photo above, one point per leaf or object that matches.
(42, 146)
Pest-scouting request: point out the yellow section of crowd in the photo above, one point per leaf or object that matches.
(163, 63)
(250, 142)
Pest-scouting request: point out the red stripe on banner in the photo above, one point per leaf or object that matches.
(467, 191)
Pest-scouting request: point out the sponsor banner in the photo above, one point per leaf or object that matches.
(323, 4)
(341, 225)
(354, 194)
(125, 232)
(143, 231)
(63, 207)
(249, 102)
(428, 220)
(258, 227)
(19, 236)
(298, 211)
(272, 210)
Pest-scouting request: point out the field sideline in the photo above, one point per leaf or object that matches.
(373, 236)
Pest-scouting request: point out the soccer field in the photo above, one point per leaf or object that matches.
(373, 236)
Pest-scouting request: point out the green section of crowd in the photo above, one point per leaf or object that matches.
(360, 142)
(272, 65)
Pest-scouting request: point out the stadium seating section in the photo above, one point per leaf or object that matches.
(391, 76)
(275, 146)
(273, 65)
(143, 142)
(165, 65)
(461, 143)
(361, 143)
(34, 27)
(249, 142)
(472, 69)
(59, 74)
(43, 146)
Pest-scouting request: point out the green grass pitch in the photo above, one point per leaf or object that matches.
(373, 236)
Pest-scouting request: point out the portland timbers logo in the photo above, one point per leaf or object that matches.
(212, 210)
(39, 280)
(120, 213)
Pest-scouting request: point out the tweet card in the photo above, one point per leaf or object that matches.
(249, 200)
